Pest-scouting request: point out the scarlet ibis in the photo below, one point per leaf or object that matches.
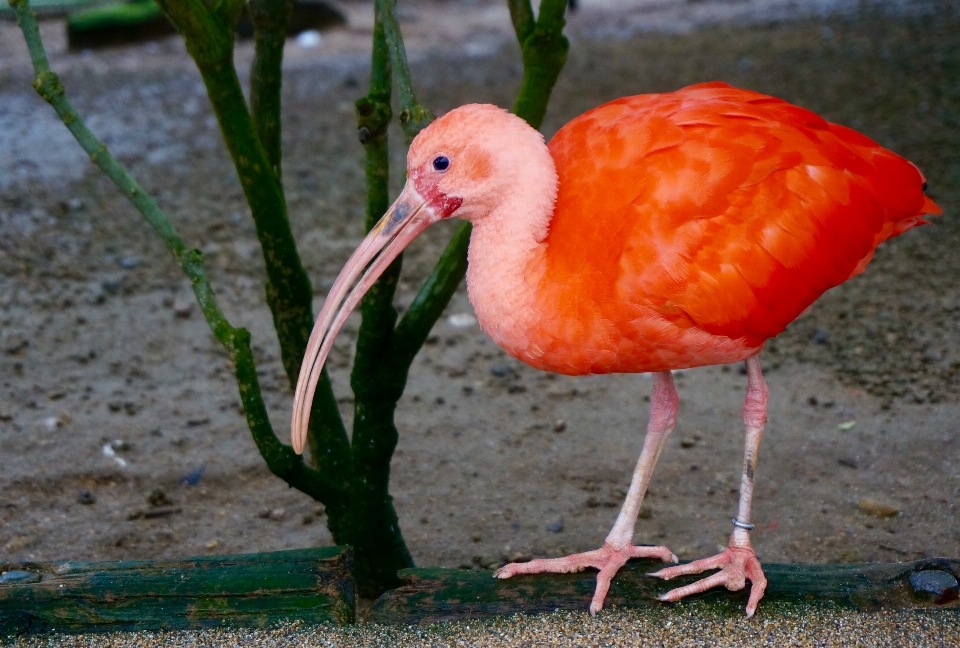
(653, 233)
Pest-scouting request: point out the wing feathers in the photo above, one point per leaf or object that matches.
(717, 208)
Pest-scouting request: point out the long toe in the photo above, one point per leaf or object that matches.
(607, 560)
(737, 566)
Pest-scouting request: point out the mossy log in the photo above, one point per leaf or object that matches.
(430, 595)
(314, 585)
(142, 20)
(52, 8)
(117, 24)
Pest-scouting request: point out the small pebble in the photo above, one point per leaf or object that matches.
(193, 477)
(501, 371)
(939, 585)
(878, 509)
(182, 307)
(309, 39)
(461, 320)
(74, 205)
(276, 514)
(159, 497)
(19, 576)
(86, 498)
(555, 527)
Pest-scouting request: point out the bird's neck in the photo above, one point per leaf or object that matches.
(505, 269)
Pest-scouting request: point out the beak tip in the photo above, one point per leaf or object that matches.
(298, 441)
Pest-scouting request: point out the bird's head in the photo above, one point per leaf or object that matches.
(465, 164)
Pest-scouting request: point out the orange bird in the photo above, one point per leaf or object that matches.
(653, 233)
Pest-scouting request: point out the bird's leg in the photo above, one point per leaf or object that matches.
(618, 548)
(738, 563)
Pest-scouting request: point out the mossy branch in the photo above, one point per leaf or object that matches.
(254, 145)
(269, 19)
(209, 38)
(544, 55)
(377, 386)
(280, 458)
(413, 116)
(521, 15)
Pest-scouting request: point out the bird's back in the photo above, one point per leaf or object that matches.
(704, 221)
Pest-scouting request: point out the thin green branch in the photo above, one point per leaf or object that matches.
(551, 15)
(413, 116)
(521, 15)
(255, 150)
(208, 34)
(269, 19)
(280, 458)
(377, 386)
(289, 294)
(544, 55)
(379, 315)
(426, 308)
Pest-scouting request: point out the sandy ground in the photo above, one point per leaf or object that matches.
(115, 400)
(623, 628)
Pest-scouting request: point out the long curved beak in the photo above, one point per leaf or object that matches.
(405, 219)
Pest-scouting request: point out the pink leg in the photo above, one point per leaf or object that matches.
(738, 563)
(618, 547)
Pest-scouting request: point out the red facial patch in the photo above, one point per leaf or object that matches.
(426, 182)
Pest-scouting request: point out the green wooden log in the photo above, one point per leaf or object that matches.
(431, 595)
(117, 24)
(53, 8)
(314, 585)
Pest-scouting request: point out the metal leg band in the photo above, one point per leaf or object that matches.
(742, 525)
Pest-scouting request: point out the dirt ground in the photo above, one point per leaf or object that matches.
(120, 430)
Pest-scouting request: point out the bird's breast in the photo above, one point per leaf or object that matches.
(572, 326)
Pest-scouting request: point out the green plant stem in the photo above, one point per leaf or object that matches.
(377, 386)
(544, 55)
(288, 288)
(280, 458)
(426, 308)
(269, 19)
(521, 15)
(289, 295)
(254, 148)
(413, 116)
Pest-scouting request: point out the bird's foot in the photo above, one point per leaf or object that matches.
(607, 559)
(737, 565)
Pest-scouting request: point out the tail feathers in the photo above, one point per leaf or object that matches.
(896, 228)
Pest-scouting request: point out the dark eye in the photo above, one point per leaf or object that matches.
(440, 163)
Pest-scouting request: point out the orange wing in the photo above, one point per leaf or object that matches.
(714, 210)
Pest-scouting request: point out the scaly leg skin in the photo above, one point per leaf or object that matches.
(738, 563)
(618, 548)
